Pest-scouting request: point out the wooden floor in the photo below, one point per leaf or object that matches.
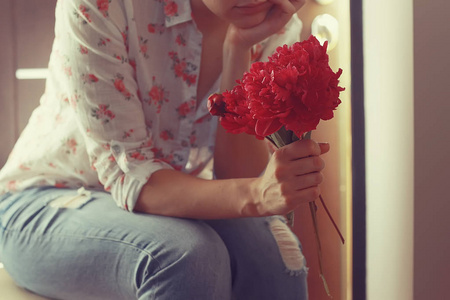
(10, 291)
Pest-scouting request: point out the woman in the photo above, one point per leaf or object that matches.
(124, 120)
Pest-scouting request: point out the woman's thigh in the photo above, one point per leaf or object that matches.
(266, 258)
(98, 251)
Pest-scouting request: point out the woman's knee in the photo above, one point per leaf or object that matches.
(195, 263)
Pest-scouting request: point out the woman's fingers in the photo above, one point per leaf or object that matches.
(299, 158)
(299, 197)
(307, 165)
(292, 169)
(284, 9)
(289, 6)
(293, 176)
(298, 183)
(324, 148)
(297, 4)
(301, 149)
(277, 17)
(285, 6)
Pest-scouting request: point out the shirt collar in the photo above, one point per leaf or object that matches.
(177, 11)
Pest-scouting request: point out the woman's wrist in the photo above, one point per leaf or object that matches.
(234, 41)
(252, 204)
(198, 198)
(236, 61)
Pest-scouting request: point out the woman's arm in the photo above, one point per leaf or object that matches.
(292, 177)
(237, 155)
(242, 155)
(102, 93)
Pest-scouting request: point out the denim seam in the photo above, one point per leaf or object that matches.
(96, 238)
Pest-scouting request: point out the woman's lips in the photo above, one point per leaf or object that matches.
(253, 8)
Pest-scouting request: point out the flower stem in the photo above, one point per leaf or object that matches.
(332, 220)
(313, 208)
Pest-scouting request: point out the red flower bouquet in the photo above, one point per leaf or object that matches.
(296, 88)
(282, 100)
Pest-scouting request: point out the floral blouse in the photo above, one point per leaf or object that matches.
(120, 101)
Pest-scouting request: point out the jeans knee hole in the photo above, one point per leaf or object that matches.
(288, 246)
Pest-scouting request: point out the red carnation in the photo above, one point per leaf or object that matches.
(296, 89)
(237, 117)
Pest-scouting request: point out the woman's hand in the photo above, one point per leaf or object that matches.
(292, 177)
(277, 17)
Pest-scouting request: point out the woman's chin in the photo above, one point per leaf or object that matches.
(250, 21)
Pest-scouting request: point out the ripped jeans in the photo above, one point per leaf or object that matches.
(96, 250)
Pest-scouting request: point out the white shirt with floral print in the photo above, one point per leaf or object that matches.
(120, 99)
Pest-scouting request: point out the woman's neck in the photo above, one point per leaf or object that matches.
(207, 22)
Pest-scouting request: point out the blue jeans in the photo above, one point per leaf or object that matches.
(99, 251)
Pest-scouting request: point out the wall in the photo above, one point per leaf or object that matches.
(21, 47)
(7, 83)
(431, 149)
(406, 65)
(389, 100)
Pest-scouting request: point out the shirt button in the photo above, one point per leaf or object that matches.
(116, 149)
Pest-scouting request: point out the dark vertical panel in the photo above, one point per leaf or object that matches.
(358, 153)
(7, 88)
(34, 24)
(431, 148)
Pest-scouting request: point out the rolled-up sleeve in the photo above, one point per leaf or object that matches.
(104, 95)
